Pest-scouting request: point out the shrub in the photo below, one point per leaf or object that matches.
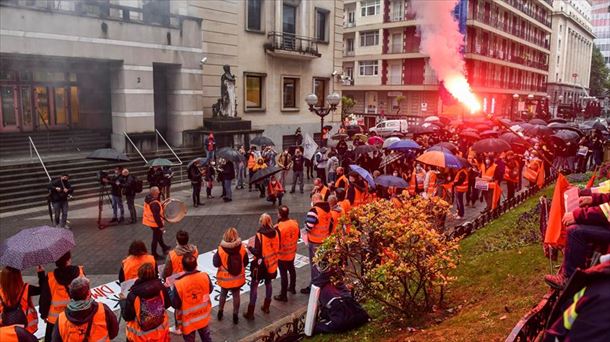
(394, 255)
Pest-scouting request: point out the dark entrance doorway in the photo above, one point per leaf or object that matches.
(160, 79)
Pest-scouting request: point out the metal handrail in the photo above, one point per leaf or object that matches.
(170, 148)
(134, 146)
(38, 155)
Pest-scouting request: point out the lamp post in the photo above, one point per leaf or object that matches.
(332, 99)
(515, 106)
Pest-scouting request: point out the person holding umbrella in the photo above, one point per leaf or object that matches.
(54, 297)
(60, 190)
(153, 219)
(15, 294)
(83, 313)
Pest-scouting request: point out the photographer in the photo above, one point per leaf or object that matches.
(60, 191)
(116, 196)
(166, 181)
(128, 183)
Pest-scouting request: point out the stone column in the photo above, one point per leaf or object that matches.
(184, 103)
(278, 16)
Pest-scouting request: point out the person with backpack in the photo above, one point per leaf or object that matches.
(264, 266)
(173, 263)
(289, 234)
(54, 291)
(191, 299)
(13, 331)
(231, 260)
(144, 308)
(131, 186)
(137, 256)
(84, 318)
(16, 299)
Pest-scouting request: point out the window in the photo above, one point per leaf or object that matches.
(349, 45)
(319, 88)
(370, 7)
(321, 24)
(254, 13)
(369, 38)
(255, 84)
(368, 68)
(351, 18)
(290, 91)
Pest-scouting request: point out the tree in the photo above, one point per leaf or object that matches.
(600, 79)
(347, 104)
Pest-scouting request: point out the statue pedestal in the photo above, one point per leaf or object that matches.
(222, 124)
(229, 132)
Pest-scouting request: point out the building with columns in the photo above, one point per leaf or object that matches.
(571, 49)
(601, 27)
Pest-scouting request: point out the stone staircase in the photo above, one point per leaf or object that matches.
(52, 142)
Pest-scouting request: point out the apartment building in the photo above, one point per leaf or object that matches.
(506, 54)
(601, 27)
(571, 49)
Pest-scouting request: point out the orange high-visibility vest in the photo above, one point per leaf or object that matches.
(289, 236)
(148, 218)
(531, 170)
(225, 279)
(134, 333)
(72, 332)
(320, 230)
(336, 215)
(59, 297)
(132, 263)
(493, 185)
(432, 184)
(9, 333)
(463, 187)
(251, 162)
(508, 174)
(340, 180)
(194, 290)
(176, 260)
(271, 248)
(489, 173)
(27, 306)
(323, 192)
(345, 206)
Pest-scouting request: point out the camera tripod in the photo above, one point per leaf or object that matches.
(102, 194)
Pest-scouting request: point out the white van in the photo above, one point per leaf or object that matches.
(388, 127)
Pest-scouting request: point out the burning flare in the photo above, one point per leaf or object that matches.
(441, 40)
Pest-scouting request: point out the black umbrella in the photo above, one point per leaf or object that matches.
(108, 154)
(518, 143)
(261, 141)
(491, 145)
(567, 136)
(339, 136)
(451, 147)
(365, 149)
(231, 154)
(538, 122)
(489, 134)
(264, 173)
(537, 131)
(35, 246)
(200, 160)
(559, 126)
(558, 120)
(469, 135)
(424, 129)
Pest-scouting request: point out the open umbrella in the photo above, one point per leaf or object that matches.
(432, 118)
(404, 145)
(35, 246)
(558, 120)
(469, 135)
(440, 148)
(560, 126)
(424, 129)
(109, 154)
(200, 160)
(442, 159)
(489, 134)
(159, 162)
(482, 126)
(389, 141)
(388, 181)
(261, 141)
(264, 173)
(538, 122)
(537, 131)
(390, 158)
(451, 147)
(339, 136)
(360, 136)
(364, 149)
(493, 145)
(364, 174)
(231, 154)
(375, 140)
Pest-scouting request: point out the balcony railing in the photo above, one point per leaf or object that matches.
(349, 53)
(349, 24)
(288, 44)
(401, 17)
(510, 29)
(529, 10)
(505, 56)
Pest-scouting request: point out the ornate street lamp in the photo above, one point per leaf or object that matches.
(332, 99)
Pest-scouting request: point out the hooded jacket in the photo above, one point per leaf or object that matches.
(155, 208)
(85, 316)
(257, 251)
(231, 248)
(312, 216)
(144, 289)
(64, 276)
(180, 251)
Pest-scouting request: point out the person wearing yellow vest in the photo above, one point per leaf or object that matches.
(289, 234)
(318, 224)
(85, 319)
(54, 294)
(152, 217)
(231, 259)
(15, 293)
(16, 333)
(265, 250)
(460, 183)
(137, 255)
(173, 263)
(320, 188)
(191, 299)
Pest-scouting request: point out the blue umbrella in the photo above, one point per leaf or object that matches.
(439, 148)
(388, 181)
(404, 145)
(364, 174)
(35, 246)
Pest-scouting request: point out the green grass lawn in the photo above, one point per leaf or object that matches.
(499, 279)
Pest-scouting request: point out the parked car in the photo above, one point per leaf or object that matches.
(354, 129)
(388, 127)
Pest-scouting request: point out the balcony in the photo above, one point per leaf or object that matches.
(349, 53)
(349, 24)
(510, 29)
(529, 11)
(500, 54)
(287, 45)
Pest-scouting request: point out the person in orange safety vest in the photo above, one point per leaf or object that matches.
(173, 263)
(153, 217)
(15, 293)
(138, 255)
(289, 234)
(460, 183)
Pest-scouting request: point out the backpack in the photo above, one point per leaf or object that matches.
(13, 314)
(235, 263)
(138, 186)
(152, 312)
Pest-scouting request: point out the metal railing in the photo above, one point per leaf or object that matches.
(134, 146)
(33, 146)
(291, 42)
(159, 135)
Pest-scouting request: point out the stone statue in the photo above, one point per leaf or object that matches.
(227, 93)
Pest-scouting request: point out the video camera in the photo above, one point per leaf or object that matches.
(102, 177)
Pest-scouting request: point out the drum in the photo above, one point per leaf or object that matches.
(174, 210)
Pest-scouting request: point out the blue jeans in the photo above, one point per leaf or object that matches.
(579, 245)
(60, 208)
(241, 174)
(210, 155)
(254, 290)
(313, 247)
(227, 187)
(117, 203)
(204, 334)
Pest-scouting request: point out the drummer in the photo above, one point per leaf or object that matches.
(153, 218)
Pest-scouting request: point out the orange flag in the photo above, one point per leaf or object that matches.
(555, 231)
(592, 180)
